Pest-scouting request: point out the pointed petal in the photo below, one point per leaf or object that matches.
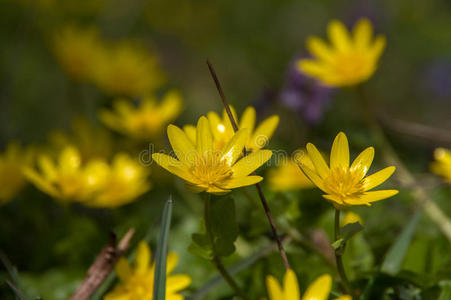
(319, 49)
(318, 161)
(339, 35)
(248, 119)
(377, 178)
(182, 146)
(217, 126)
(333, 198)
(226, 119)
(142, 258)
(251, 162)
(274, 289)
(171, 262)
(378, 46)
(123, 269)
(69, 160)
(190, 132)
(171, 106)
(378, 195)
(217, 190)
(318, 181)
(235, 146)
(290, 286)
(204, 136)
(363, 32)
(41, 183)
(264, 132)
(339, 155)
(362, 163)
(311, 67)
(172, 165)
(319, 289)
(176, 283)
(241, 181)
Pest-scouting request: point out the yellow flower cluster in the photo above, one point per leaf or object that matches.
(136, 282)
(95, 183)
(442, 164)
(119, 69)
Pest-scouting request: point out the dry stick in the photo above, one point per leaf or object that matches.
(103, 265)
(259, 189)
(16, 290)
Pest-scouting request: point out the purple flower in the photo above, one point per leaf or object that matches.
(305, 95)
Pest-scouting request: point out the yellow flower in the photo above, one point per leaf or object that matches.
(287, 175)
(119, 183)
(92, 142)
(442, 164)
(136, 282)
(127, 69)
(346, 185)
(205, 168)
(77, 50)
(349, 60)
(318, 290)
(11, 177)
(351, 217)
(147, 121)
(223, 131)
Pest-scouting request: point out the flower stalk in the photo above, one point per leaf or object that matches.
(338, 255)
(258, 187)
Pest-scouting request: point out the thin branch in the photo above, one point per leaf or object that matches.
(17, 291)
(103, 265)
(259, 189)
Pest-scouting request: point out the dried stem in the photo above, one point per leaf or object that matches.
(103, 265)
(259, 189)
(338, 256)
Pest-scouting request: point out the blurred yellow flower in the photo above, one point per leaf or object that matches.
(223, 131)
(287, 176)
(442, 164)
(12, 180)
(205, 168)
(77, 50)
(349, 60)
(318, 290)
(351, 217)
(136, 282)
(92, 142)
(127, 69)
(147, 121)
(94, 183)
(346, 185)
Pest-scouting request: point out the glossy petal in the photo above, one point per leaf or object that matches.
(319, 289)
(290, 286)
(142, 258)
(234, 147)
(377, 178)
(172, 165)
(318, 161)
(318, 181)
(338, 35)
(182, 146)
(204, 136)
(274, 289)
(248, 119)
(190, 132)
(363, 162)
(339, 155)
(251, 162)
(242, 181)
(264, 132)
(171, 262)
(175, 283)
(378, 195)
(217, 190)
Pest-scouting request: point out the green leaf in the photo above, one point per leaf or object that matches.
(350, 229)
(446, 290)
(200, 246)
(397, 252)
(159, 288)
(338, 244)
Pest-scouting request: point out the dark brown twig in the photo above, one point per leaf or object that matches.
(259, 189)
(103, 265)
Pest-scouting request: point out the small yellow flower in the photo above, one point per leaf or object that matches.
(351, 217)
(12, 161)
(147, 121)
(127, 69)
(287, 176)
(349, 60)
(318, 290)
(346, 185)
(77, 50)
(136, 282)
(205, 168)
(442, 164)
(223, 131)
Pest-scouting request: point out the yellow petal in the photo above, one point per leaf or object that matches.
(378, 195)
(142, 258)
(311, 67)
(177, 282)
(319, 49)
(69, 160)
(344, 297)
(217, 190)
(241, 181)
(378, 47)
(123, 270)
(318, 181)
(234, 147)
(363, 161)
(338, 35)
(171, 262)
(264, 132)
(351, 217)
(318, 161)
(226, 119)
(290, 286)
(363, 32)
(172, 165)
(195, 188)
(251, 162)
(190, 132)
(274, 290)
(47, 167)
(319, 289)
(339, 155)
(204, 137)
(41, 183)
(334, 198)
(182, 146)
(377, 178)
(171, 106)
(248, 119)
(217, 126)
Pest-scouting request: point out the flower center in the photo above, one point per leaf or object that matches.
(210, 170)
(352, 66)
(344, 183)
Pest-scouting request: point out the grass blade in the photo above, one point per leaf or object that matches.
(159, 287)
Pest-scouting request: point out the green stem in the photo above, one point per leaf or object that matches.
(216, 260)
(405, 177)
(338, 256)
